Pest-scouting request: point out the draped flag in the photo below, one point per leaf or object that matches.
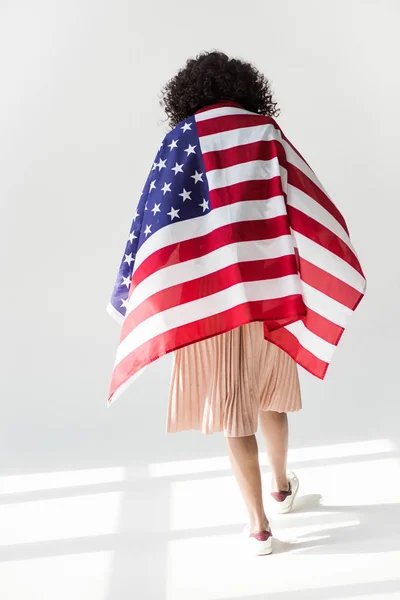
(233, 226)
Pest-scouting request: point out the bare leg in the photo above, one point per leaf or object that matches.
(275, 431)
(243, 454)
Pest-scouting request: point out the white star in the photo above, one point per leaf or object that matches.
(124, 303)
(156, 209)
(187, 126)
(152, 185)
(177, 168)
(185, 195)
(174, 213)
(204, 205)
(147, 231)
(129, 259)
(154, 167)
(166, 188)
(126, 281)
(173, 144)
(161, 164)
(190, 149)
(136, 215)
(132, 237)
(197, 177)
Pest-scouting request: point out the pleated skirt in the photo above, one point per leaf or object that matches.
(220, 384)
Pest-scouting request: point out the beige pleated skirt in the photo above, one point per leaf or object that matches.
(221, 384)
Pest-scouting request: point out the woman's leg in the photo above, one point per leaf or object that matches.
(275, 431)
(243, 454)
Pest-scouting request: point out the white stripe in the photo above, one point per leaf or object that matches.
(307, 205)
(237, 137)
(209, 263)
(329, 262)
(325, 306)
(222, 111)
(247, 171)
(190, 312)
(284, 178)
(311, 342)
(293, 158)
(252, 210)
(112, 311)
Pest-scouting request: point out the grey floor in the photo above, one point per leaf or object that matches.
(101, 504)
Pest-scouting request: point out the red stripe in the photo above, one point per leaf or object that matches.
(257, 270)
(291, 306)
(325, 329)
(244, 231)
(299, 180)
(323, 236)
(329, 284)
(259, 189)
(262, 150)
(230, 122)
(290, 344)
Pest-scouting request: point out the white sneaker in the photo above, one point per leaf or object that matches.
(259, 543)
(283, 501)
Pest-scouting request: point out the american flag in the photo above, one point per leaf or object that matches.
(233, 226)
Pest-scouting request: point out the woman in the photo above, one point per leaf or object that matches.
(224, 383)
(239, 263)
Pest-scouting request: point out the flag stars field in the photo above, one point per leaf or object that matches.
(161, 164)
(174, 214)
(197, 177)
(204, 205)
(132, 237)
(126, 281)
(166, 188)
(190, 149)
(173, 144)
(177, 168)
(128, 258)
(185, 195)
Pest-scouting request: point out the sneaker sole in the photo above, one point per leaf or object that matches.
(257, 547)
(261, 548)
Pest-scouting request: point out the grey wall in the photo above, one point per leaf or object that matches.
(80, 123)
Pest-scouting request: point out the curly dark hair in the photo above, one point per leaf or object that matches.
(212, 77)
